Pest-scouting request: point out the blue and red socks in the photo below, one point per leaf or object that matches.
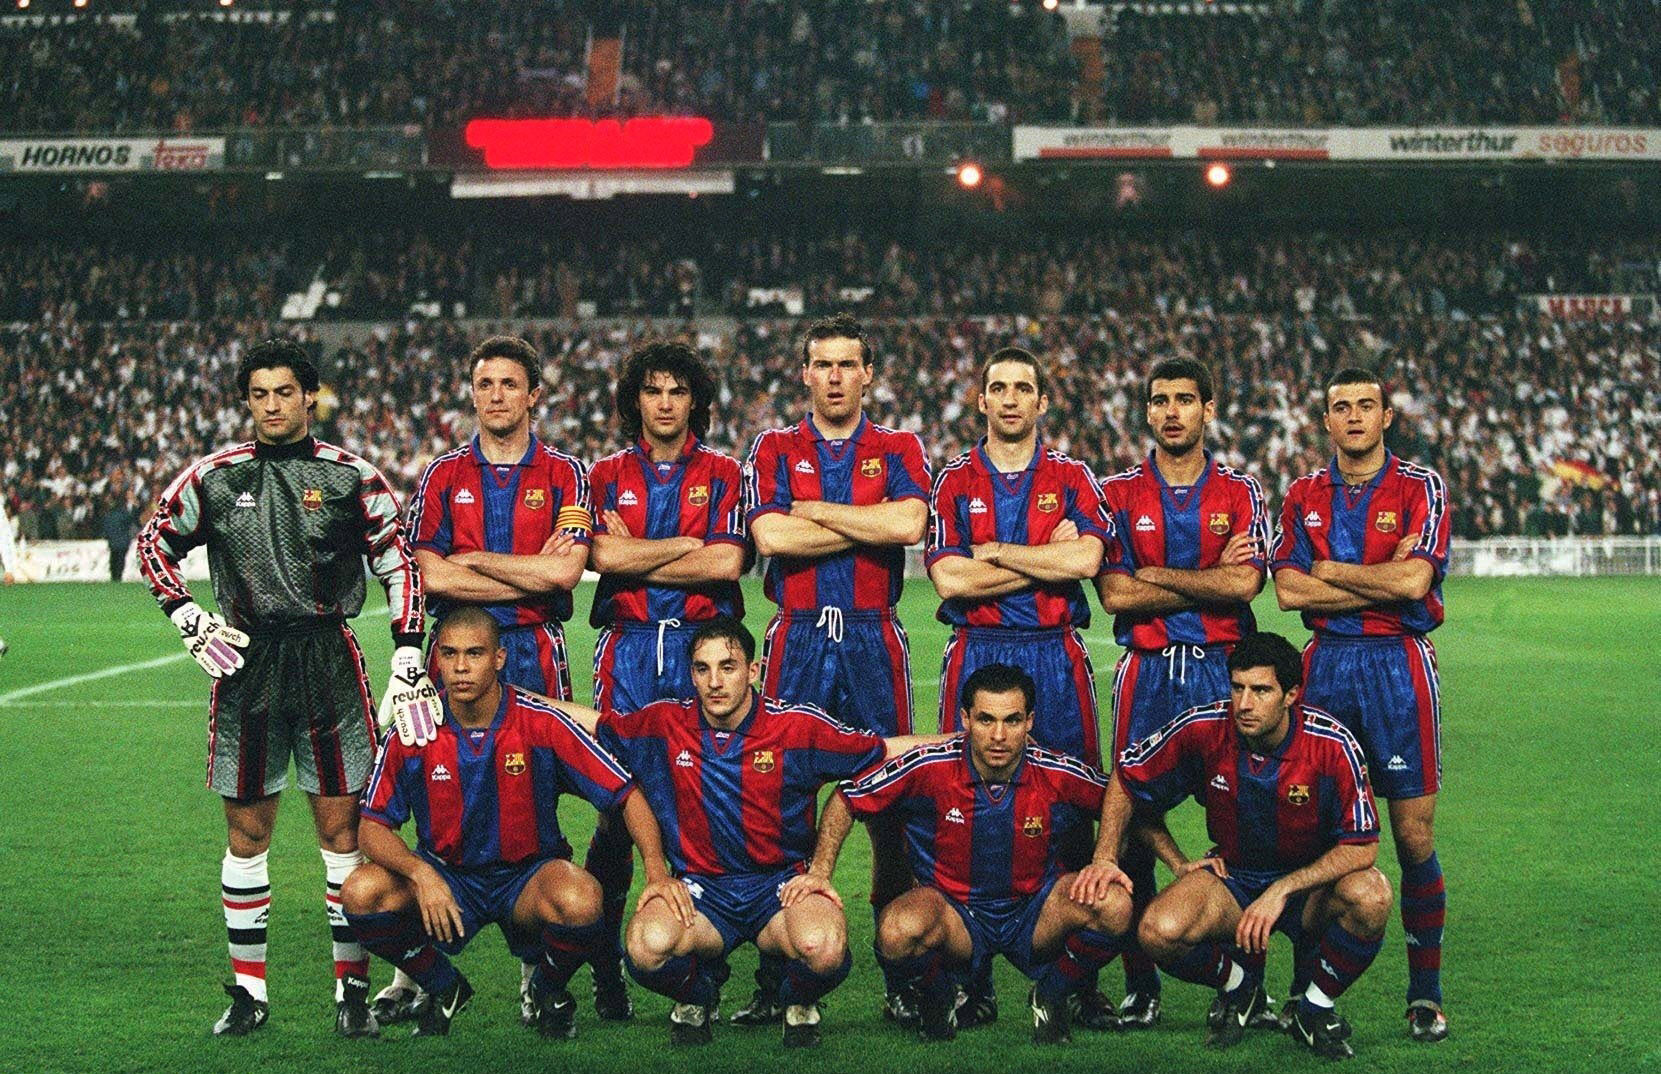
(1424, 913)
(402, 940)
(804, 987)
(610, 860)
(682, 978)
(1208, 964)
(564, 949)
(1082, 956)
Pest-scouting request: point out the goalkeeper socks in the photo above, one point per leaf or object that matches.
(1082, 956)
(1424, 911)
(1342, 958)
(402, 940)
(681, 978)
(245, 891)
(349, 956)
(564, 948)
(802, 986)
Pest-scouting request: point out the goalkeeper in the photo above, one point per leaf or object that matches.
(288, 522)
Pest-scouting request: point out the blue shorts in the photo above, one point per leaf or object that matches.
(536, 660)
(636, 664)
(1386, 691)
(1066, 718)
(1247, 884)
(486, 894)
(854, 665)
(739, 905)
(1152, 687)
(1004, 927)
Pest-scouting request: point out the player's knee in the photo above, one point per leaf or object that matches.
(1162, 932)
(652, 940)
(1415, 839)
(1367, 899)
(368, 889)
(821, 948)
(1113, 913)
(899, 933)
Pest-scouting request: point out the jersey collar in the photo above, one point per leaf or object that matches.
(985, 460)
(972, 777)
(645, 450)
(743, 729)
(1336, 478)
(1165, 486)
(811, 431)
(302, 448)
(478, 453)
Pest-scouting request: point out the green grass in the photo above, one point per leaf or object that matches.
(112, 944)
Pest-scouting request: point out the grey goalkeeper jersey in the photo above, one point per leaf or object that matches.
(288, 528)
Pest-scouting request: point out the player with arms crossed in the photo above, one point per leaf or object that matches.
(1294, 832)
(1193, 541)
(985, 816)
(1361, 552)
(833, 503)
(503, 522)
(484, 794)
(288, 522)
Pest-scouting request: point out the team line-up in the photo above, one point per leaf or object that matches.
(1005, 833)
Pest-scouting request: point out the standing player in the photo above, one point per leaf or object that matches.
(734, 779)
(484, 796)
(669, 543)
(1361, 552)
(504, 523)
(1193, 537)
(833, 503)
(985, 816)
(288, 522)
(1295, 834)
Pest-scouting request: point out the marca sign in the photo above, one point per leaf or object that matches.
(609, 144)
(72, 155)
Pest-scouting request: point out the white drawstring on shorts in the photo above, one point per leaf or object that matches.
(830, 620)
(1176, 660)
(663, 626)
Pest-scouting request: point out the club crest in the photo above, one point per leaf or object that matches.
(762, 761)
(1385, 522)
(697, 495)
(1218, 523)
(311, 499)
(1298, 793)
(870, 468)
(1049, 502)
(536, 499)
(513, 764)
(1032, 827)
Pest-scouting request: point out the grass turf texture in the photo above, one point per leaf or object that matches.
(112, 945)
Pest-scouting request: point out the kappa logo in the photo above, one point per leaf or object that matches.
(804, 467)
(311, 499)
(535, 499)
(264, 917)
(245, 500)
(628, 499)
(697, 495)
(1049, 502)
(440, 774)
(411, 953)
(1219, 782)
(955, 815)
(464, 496)
(683, 759)
(513, 764)
(1397, 764)
(1312, 520)
(1145, 525)
(1219, 523)
(977, 506)
(695, 889)
(870, 468)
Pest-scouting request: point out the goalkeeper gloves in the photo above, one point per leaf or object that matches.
(411, 701)
(216, 646)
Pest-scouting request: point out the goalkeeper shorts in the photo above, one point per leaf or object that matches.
(304, 693)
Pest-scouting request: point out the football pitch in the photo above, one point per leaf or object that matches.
(112, 946)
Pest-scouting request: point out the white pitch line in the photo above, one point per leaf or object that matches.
(89, 676)
(129, 704)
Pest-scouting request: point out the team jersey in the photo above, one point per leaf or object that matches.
(976, 840)
(740, 801)
(288, 528)
(467, 504)
(491, 795)
(1271, 812)
(698, 495)
(974, 503)
(1324, 518)
(874, 465)
(1186, 528)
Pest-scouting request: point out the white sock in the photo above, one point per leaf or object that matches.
(349, 955)
(245, 892)
(1235, 976)
(1314, 995)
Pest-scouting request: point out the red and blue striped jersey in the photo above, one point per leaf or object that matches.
(1185, 528)
(466, 503)
(874, 465)
(976, 840)
(740, 801)
(973, 503)
(1271, 812)
(1324, 518)
(491, 795)
(698, 495)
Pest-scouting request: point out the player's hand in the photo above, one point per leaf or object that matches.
(806, 885)
(1065, 530)
(558, 544)
(213, 644)
(1258, 920)
(1404, 548)
(674, 893)
(1241, 548)
(1321, 570)
(440, 915)
(615, 527)
(1092, 883)
(808, 509)
(1213, 865)
(988, 552)
(411, 701)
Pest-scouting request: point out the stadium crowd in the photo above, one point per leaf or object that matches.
(395, 62)
(1541, 427)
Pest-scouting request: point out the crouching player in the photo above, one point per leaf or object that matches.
(483, 794)
(1295, 828)
(985, 815)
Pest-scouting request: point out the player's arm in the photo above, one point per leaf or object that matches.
(558, 566)
(1297, 591)
(1258, 919)
(715, 561)
(619, 553)
(439, 913)
(1071, 560)
(648, 837)
(893, 747)
(1128, 594)
(962, 576)
(447, 578)
(780, 534)
(1379, 583)
(899, 522)
(1092, 883)
(1237, 577)
(834, 825)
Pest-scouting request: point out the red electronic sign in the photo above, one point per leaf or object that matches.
(553, 144)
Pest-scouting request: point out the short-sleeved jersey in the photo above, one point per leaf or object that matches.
(698, 495)
(492, 795)
(1183, 528)
(288, 528)
(974, 503)
(740, 801)
(976, 840)
(1273, 812)
(874, 465)
(1324, 518)
(466, 503)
